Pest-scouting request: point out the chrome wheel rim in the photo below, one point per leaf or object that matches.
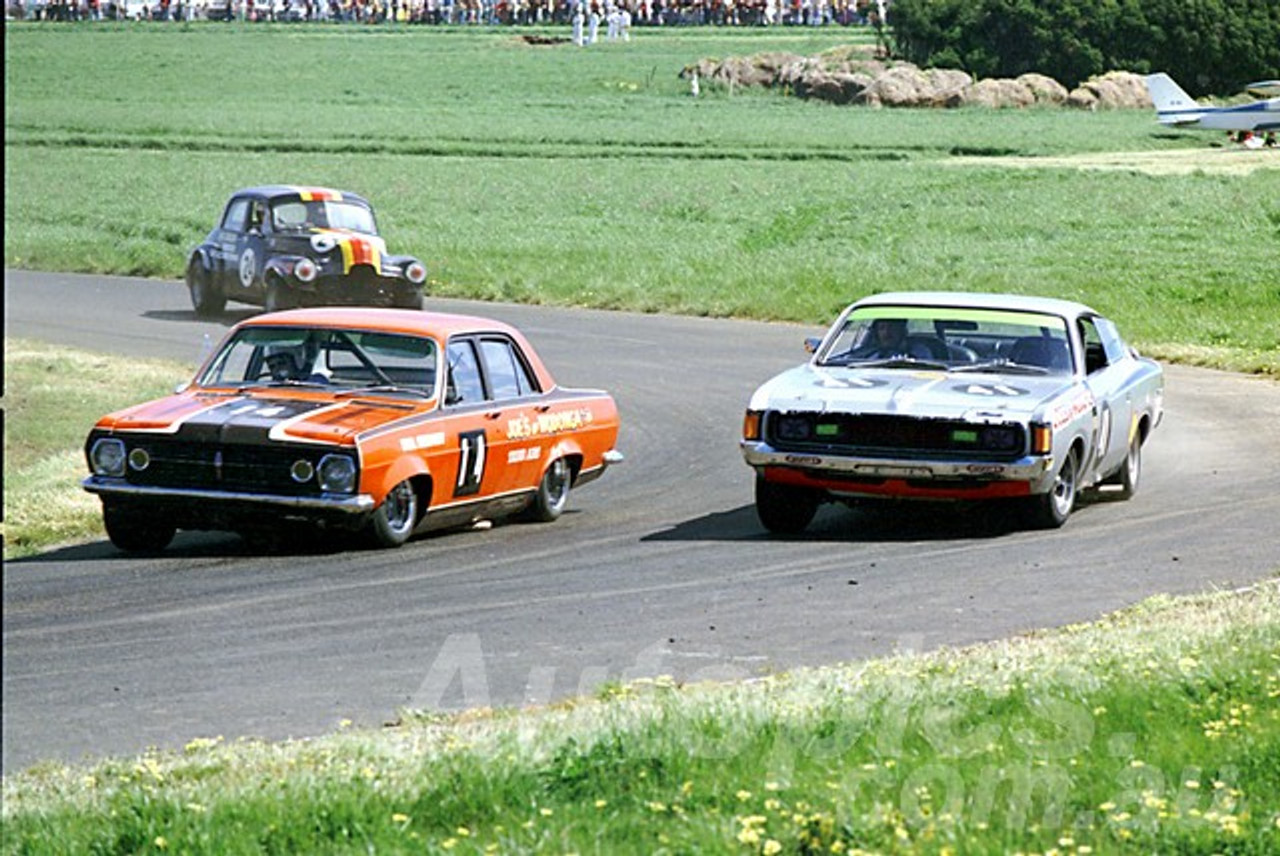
(557, 481)
(1064, 487)
(399, 507)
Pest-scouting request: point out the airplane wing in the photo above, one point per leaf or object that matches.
(1264, 88)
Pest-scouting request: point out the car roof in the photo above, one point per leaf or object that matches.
(272, 191)
(978, 300)
(412, 322)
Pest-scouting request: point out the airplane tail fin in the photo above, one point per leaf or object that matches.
(1173, 105)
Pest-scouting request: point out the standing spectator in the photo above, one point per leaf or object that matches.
(578, 18)
(612, 22)
(593, 23)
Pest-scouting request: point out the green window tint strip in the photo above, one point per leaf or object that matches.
(947, 313)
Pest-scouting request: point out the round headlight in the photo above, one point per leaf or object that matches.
(139, 459)
(416, 273)
(323, 243)
(107, 457)
(337, 474)
(305, 270)
(302, 471)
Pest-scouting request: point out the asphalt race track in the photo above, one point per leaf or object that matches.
(658, 568)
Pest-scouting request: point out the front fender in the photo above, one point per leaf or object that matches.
(281, 268)
(378, 484)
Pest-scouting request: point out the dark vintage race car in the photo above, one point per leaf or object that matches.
(281, 247)
(379, 422)
(954, 397)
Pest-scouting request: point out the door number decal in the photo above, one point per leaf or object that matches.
(471, 460)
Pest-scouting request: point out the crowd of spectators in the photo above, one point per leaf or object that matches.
(476, 12)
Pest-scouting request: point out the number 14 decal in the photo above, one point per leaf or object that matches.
(471, 458)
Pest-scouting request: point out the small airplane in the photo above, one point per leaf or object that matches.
(1175, 107)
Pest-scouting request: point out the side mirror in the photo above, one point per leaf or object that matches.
(811, 344)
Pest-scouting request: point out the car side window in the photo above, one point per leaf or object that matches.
(1111, 341)
(237, 213)
(1095, 353)
(466, 386)
(508, 375)
(257, 214)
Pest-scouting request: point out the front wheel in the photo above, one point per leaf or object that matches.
(785, 509)
(206, 298)
(416, 300)
(392, 522)
(278, 297)
(1051, 510)
(136, 532)
(553, 492)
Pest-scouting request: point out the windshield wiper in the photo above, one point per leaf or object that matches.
(310, 384)
(384, 387)
(1001, 366)
(901, 362)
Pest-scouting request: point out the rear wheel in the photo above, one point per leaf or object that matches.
(553, 492)
(1050, 510)
(392, 522)
(206, 298)
(785, 509)
(134, 531)
(1130, 473)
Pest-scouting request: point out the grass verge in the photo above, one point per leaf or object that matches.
(53, 396)
(1156, 729)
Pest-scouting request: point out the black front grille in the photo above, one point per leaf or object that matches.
(889, 436)
(240, 468)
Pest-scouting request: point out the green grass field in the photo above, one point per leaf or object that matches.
(554, 174)
(591, 177)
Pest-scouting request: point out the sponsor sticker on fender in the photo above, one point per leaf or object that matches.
(548, 423)
(1064, 413)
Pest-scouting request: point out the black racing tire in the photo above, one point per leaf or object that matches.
(135, 531)
(1051, 509)
(553, 492)
(393, 521)
(206, 298)
(785, 509)
(277, 297)
(1130, 472)
(416, 300)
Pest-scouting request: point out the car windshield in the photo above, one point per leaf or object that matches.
(953, 338)
(338, 360)
(323, 214)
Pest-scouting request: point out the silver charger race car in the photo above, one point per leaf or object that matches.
(951, 396)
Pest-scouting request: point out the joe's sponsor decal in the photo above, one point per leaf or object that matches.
(548, 423)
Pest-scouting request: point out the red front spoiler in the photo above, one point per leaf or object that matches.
(899, 488)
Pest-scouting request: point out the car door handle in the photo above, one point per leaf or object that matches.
(542, 408)
(493, 414)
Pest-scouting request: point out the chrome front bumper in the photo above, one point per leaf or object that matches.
(356, 504)
(1033, 469)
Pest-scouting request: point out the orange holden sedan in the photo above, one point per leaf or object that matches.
(378, 422)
